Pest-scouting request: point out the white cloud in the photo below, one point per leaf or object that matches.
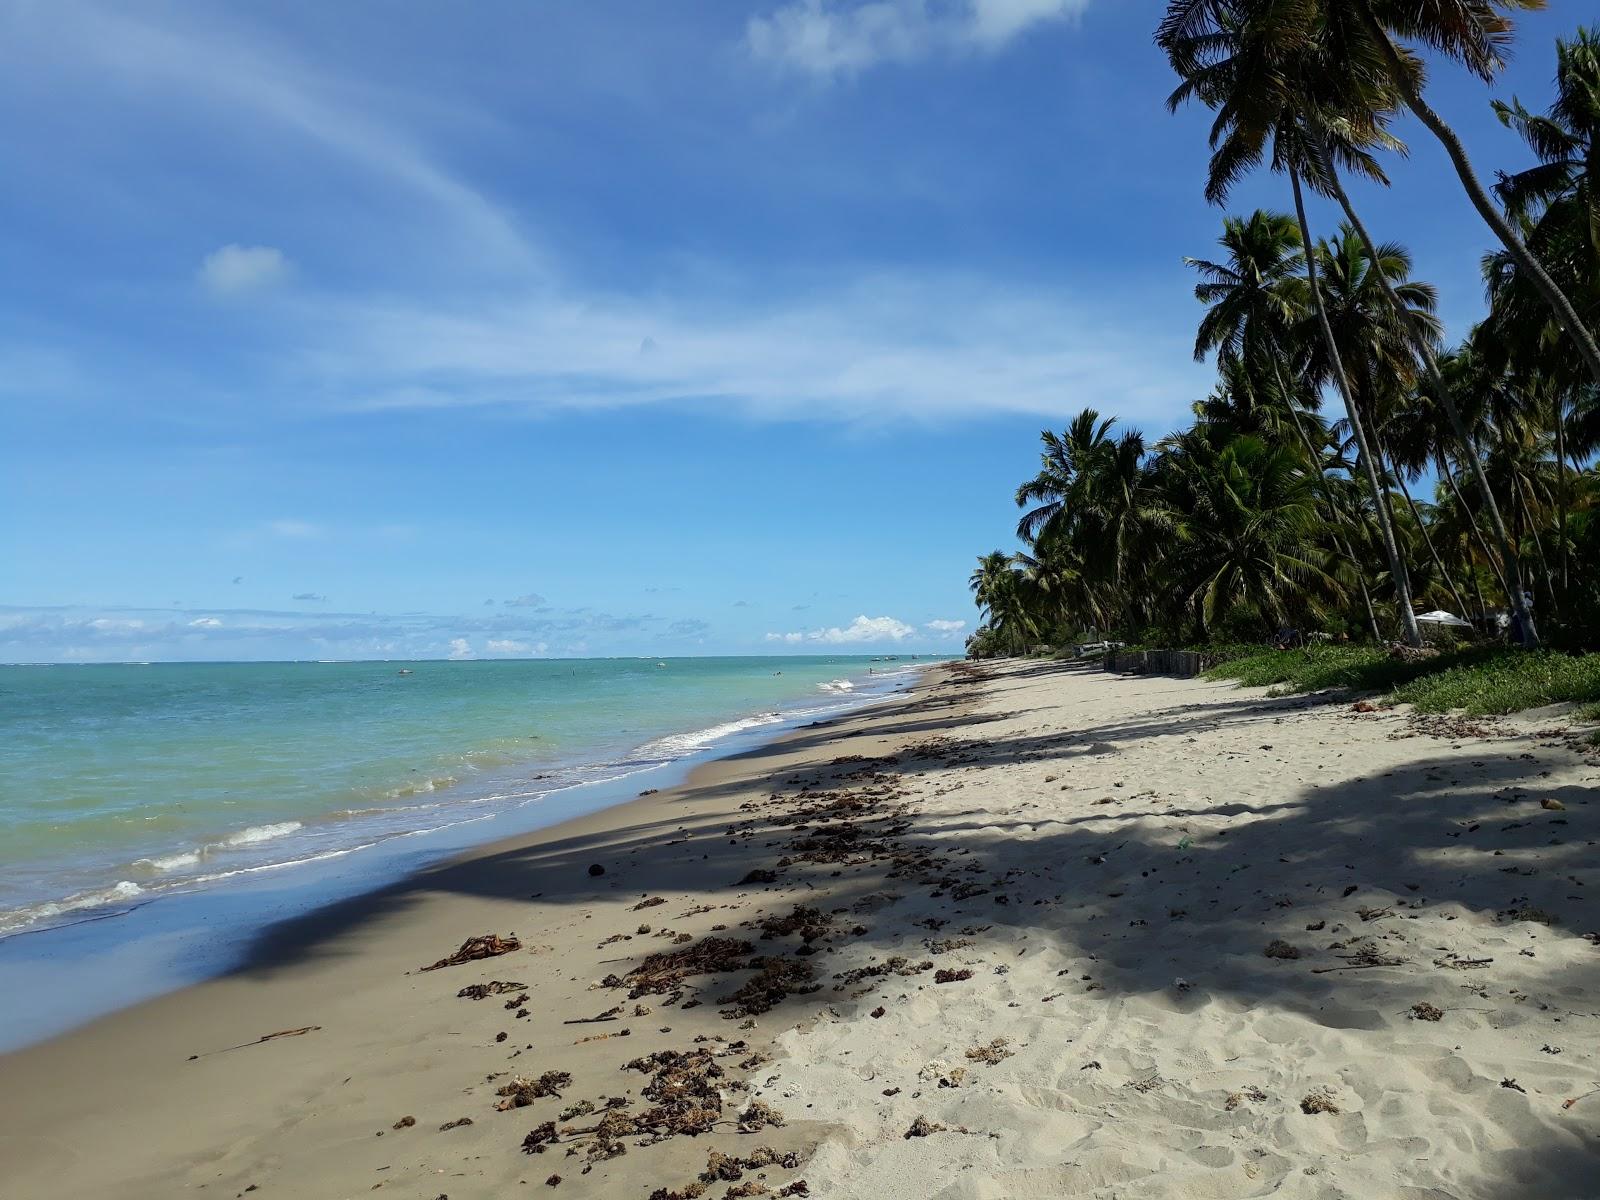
(460, 649)
(531, 600)
(862, 629)
(234, 270)
(927, 344)
(511, 646)
(827, 37)
(289, 528)
(945, 627)
(205, 623)
(308, 596)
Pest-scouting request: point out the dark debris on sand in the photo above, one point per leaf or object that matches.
(490, 945)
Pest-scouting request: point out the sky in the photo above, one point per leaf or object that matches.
(366, 330)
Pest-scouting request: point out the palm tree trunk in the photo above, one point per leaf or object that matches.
(1538, 542)
(1430, 368)
(1391, 550)
(1427, 536)
(1477, 534)
(1561, 494)
(1339, 543)
(1483, 607)
(1566, 315)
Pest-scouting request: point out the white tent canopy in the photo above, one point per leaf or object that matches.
(1439, 617)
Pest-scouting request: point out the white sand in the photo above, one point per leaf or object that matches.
(1155, 836)
(1150, 839)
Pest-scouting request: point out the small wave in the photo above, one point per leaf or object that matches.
(421, 787)
(259, 833)
(686, 743)
(169, 862)
(33, 914)
(837, 685)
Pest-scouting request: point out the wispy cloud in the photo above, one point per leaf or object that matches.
(243, 75)
(530, 600)
(310, 596)
(42, 634)
(829, 37)
(235, 270)
(944, 627)
(932, 345)
(512, 646)
(863, 629)
(289, 527)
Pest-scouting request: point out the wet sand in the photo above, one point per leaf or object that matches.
(1026, 930)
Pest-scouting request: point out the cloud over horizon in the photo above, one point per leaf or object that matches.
(862, 630)
(828, 37)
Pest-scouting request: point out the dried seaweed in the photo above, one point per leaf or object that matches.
(522, 1091)
(995, 1052)
(775, 980)
(482, 991)
(490, 945)
(663, 973)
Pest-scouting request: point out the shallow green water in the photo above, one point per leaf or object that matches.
(119, 780)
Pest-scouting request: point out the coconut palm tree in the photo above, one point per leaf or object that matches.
(1088, 497)
(1256, 302)
(1477, 34)
(1258, 64)
(1249, 535)
(1376, 341)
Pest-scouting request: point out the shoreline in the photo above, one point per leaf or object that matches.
(145, 937)
(1001, 935)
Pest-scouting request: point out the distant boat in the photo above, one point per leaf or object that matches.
(661, 664)
(404, 671)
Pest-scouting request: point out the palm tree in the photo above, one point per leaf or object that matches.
(1249, 531)
(1328, 85)
(1252, 61)
(1558, 203)
(1256, 303)
(1376, 340)
(998, 588)
(1476, 34)
(1087, 498)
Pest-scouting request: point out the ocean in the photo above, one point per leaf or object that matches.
(122, 784)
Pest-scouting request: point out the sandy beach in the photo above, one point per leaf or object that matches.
(1030, 929)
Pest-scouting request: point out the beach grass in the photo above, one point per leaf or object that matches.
(1479, 682)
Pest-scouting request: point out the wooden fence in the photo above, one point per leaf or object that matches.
(1185, 664)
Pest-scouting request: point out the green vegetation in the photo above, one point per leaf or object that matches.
(1266, 515)
(1479, 681)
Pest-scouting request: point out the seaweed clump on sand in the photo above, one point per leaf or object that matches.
(775, 980)
(684, 1091)
(522, 1091)
(482, 991)
(809, 923)
(731, 1168)
(663, 973)
(490, 945)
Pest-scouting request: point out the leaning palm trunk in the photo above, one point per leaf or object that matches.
(1561, 495)
(1449, 473)
(1430, 367)
(1427, 537)
(1391, 550)
(1315, 460)
(1531, 524)
(1566, 315)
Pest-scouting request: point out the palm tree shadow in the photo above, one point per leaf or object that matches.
(1385, 866)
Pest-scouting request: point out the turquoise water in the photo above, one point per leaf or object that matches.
(120, 782)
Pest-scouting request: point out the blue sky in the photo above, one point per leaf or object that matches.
(362, 329)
